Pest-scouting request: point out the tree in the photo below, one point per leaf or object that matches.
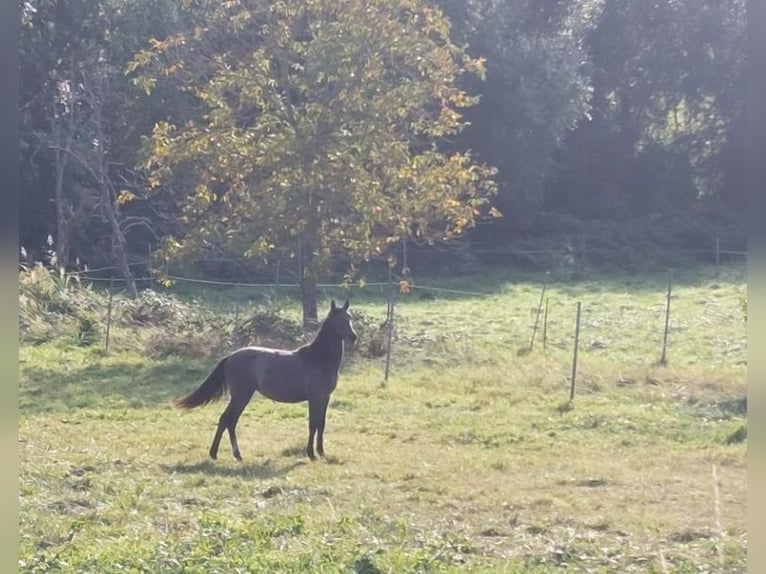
(668, 103)
(74, 93)
(537, 90)
(318, 130)
(56, 38)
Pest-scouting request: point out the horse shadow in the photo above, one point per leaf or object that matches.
(256, 470)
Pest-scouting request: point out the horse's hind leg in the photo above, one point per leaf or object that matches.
(223, 423)
(239, 399)
(233, 433)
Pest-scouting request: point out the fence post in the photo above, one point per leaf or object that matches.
(545, 324)
(537, 316)
(574, 358)
(109, 314)
(663, 359)
(236, 306)
(389, 324)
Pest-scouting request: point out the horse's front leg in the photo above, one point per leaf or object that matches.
(313, 425)
(320, 425)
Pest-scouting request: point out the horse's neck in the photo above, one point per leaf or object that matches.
(326, 347)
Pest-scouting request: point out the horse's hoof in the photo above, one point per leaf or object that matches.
(213, 455)
(238, 457)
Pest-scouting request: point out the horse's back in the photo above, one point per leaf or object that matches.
(277, 374)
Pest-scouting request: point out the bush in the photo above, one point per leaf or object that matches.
(191, 343)
(372, 335)
(153, 309)
(88, 330)
(268, 326)
(49, 302)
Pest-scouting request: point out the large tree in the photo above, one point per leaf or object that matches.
(668, 111)
(537, 90)
(317, 130)
(81, 124)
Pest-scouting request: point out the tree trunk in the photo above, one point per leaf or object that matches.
(309, 301)
(62, 130)
(308, 275)
(62, 227)
(106, 188)
(119, 248)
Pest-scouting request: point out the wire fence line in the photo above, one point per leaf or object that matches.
(88, 273)
(150, 265)
(181, 279)
(391, 290)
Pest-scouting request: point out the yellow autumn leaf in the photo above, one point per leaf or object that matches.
(125, 196)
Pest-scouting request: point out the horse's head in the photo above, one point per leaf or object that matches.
(339, 321)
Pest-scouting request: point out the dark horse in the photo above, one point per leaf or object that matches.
(309, 373)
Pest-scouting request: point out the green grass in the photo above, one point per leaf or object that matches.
(470, 458)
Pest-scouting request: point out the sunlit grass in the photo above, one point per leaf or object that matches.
(470, 457)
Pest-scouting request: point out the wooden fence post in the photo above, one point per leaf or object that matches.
(537, 317)
(663, 358)
(109, 314)
(389, 324)
(574, 359)
(236, 306)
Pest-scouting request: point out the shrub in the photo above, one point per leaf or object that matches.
(268, 326)
(49, 299)
(88, 329)
(153, 309)
(191, 343)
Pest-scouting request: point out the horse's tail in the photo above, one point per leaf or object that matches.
(209, 391)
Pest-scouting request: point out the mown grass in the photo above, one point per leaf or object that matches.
(470, 458)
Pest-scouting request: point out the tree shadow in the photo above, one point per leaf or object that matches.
(260, 470)
(115, 385)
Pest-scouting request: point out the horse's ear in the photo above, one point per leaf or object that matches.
(332, 304)
(345, 305)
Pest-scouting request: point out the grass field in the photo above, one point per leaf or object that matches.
(470, 459)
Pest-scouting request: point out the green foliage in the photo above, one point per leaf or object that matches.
(158, 309)
(268, 325)
(88, 329)
(47, 297)
(538, 87)
(667, 107)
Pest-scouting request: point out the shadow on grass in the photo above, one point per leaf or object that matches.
(114, 385)
(262, 470)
